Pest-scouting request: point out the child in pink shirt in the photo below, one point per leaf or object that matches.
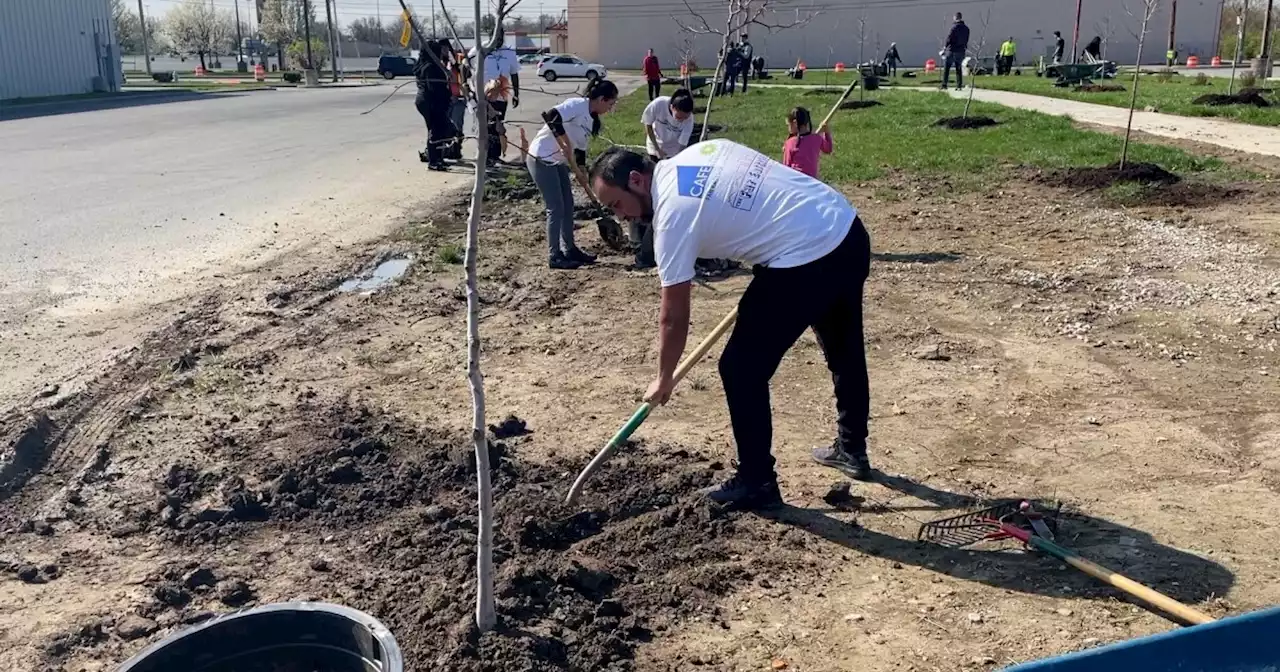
(801, 150)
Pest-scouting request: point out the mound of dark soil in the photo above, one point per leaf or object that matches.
(960, 123)
(1099, 178)
(578, 588)
(1098, 88)
(859, 104)
(590, 210)
(1242, 97)
(824, 92)
(711, 128)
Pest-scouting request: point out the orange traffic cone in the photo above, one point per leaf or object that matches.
(259, 73)
(200, 71)
(1193, 61)
(839, 67)
(1216, 61)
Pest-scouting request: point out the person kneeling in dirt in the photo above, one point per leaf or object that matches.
(810, 255)
(668, 128)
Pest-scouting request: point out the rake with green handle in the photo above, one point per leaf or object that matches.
(645, 408)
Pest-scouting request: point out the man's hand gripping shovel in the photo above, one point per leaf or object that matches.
(645, 408)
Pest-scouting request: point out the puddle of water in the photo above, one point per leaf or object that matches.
(385, 272)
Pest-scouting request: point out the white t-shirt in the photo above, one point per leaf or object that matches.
(501, 62)
(672, 133)
(576, 114)
(721, 200)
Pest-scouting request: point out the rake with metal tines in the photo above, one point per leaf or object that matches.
(1022, 521)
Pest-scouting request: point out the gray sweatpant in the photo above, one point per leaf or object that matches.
(554, 184)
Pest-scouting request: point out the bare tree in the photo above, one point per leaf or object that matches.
(281, 25)
(740, 14)
(196, 28)
(486, 614)
(977, 58)
(1148, 9)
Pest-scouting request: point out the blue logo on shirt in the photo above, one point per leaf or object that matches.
(693, 181)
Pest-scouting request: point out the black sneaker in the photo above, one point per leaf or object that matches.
(644, 264)
(738, 494)
(422, 156)
(563, 264)
(853, 465)
(439, 167)
(581, 257)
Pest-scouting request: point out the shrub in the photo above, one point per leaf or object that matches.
(1166, 75)
(1201, 80)
(162, 77)
(1248, 80)
(291, 77)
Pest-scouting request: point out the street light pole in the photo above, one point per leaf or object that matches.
(1173, 26)
(240, 67)
(146, 46)
(1075, 40)
(333, 51)
(306, 29)
(1264, 54)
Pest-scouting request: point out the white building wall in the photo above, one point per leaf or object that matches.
(616, 33)
(57, 47)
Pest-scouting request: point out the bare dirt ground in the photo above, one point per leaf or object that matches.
(285, 440)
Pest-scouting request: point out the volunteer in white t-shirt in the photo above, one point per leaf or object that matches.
(810, 256)
(575, 120)
(502, 81)
(668, 124)
(668, 128)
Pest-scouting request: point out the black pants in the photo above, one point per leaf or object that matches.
(730, 80)
(953, 59)
(499, 113)
(746, 74)
(655, 88)
(439, 128)
(779, 304)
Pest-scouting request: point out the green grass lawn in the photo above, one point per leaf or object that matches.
(1173, 96)
(900, 136)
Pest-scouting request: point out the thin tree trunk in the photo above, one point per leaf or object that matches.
(486, 616)
(1133, 95)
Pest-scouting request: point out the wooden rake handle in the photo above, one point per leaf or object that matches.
(642, 412)
(834, 108)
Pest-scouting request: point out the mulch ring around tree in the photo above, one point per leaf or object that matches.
(1102, 177)
(960, 123)
(859, 104)
(1098, 88)
(1140, 184)
(1248, 96)
(823, 92)
(711, 128)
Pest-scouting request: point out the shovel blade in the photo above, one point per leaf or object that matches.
(612, 235)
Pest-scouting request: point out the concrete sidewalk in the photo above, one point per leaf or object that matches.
(1228, 134)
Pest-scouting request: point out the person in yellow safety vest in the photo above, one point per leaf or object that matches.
(1008, 51)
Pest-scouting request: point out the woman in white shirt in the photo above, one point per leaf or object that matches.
(576, 120)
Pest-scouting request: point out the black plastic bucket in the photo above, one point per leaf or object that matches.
(286, 637)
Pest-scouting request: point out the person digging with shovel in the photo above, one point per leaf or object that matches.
(810, 255)
(554, 156)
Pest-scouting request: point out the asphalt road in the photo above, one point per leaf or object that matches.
(118, 210)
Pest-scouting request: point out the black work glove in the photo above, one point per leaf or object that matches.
(515, 101)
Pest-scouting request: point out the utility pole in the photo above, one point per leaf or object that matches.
(1173, 26)
(433, 21)
(337, 36)
(333, 52)
(1263, 67)
(1075, 40)
(240, 66)
(146, 46)
(306, 29)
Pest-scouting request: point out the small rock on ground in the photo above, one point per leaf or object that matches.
(932, 353)
(133, 627)
(235, 593)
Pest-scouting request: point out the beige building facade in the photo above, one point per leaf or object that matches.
(616, 33)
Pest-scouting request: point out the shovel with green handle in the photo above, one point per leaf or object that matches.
(645, 408)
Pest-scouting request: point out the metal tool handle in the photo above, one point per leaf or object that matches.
(643, 411)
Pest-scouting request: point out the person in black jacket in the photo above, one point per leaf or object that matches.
(1059, 46)
(892, 59)
(957, 43)
(433, 101)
